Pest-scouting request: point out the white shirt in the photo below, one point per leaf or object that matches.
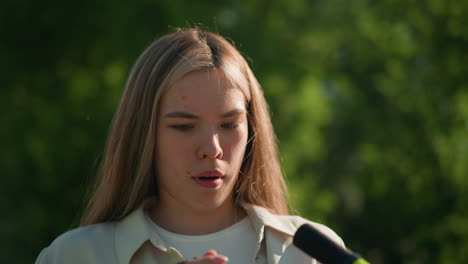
(237, 242)
(132, 240)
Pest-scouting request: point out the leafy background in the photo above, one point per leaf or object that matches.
(369, 100)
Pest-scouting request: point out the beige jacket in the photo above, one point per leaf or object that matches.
(133, 241)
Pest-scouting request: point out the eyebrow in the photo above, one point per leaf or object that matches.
(181, 114)
(234, 112)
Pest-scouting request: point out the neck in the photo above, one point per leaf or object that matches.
(190, 221)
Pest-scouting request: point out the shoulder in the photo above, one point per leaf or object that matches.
(85, 236)
(82, 244)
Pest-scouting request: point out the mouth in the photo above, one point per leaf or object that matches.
(208, 178)
(211, 179)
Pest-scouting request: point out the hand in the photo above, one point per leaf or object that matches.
(210, 257)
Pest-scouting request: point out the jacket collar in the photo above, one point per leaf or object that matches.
(130, 234)
(261, 217)
(135, 229)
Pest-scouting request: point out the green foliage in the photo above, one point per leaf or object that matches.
(369, 99)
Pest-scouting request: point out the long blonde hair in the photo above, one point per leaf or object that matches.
(127, 175)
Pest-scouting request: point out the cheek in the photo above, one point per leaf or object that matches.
(172, 151)
(174, 147)
(235, 145)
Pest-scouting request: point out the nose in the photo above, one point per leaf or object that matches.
(210, 148)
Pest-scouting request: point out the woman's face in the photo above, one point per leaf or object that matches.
(201, 139)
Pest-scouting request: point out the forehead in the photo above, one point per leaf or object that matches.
(202, 90)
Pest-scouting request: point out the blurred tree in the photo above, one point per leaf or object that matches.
(369, 99)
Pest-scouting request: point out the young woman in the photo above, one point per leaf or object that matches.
(190, 172)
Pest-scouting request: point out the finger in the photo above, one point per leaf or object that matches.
(216, 259)
(211, 252)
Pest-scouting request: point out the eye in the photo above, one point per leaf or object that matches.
(229, 125)
(182, 127)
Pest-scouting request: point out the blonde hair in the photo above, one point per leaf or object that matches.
(127, 175)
